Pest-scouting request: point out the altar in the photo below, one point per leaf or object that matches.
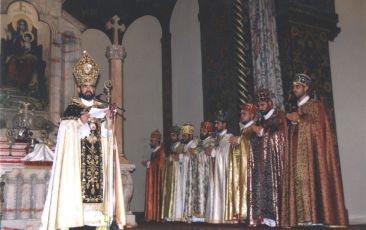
(24, 188)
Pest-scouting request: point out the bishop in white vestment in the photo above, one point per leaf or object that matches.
(82, 191)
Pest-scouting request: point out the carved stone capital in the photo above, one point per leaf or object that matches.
(115, 52)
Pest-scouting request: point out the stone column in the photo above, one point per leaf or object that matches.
(242, 56)
(227, 79)
(166, 51)
(115, 55)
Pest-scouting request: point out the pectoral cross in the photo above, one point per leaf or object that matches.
(116, 27)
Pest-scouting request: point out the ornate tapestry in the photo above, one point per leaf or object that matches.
(304, 30)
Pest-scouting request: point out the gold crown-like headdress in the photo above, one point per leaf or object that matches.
(86, 70)
(187, 129)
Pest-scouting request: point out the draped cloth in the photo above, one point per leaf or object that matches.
(215, 208)
(64, 206)
(312, 185)
(265, 50)
(170, 177)
(154, 185)
(236, 185)
(266, 171)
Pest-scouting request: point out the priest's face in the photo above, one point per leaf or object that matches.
(299, 90)
(220, 126)
(186, 138)
(246, 116)
(154, 143)
(264, 106)
(87, 91)
(204, 133)
(173, 137)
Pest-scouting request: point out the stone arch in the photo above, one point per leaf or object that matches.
(142, 92)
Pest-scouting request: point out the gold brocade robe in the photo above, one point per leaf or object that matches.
(154, 185)
(312, 186)
(171, 165)
(236, 185)
(66, 204)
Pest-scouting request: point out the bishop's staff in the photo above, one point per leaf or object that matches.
(111, 165)
(114, 53)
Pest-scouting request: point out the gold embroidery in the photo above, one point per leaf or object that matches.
(92, 164)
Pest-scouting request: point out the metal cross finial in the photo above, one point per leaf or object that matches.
(113, 24)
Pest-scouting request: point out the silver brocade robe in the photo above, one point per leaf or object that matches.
(201, 180)
(190, 163)
(182, 191)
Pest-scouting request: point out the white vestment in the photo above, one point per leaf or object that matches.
(64, 207)
(216, 190)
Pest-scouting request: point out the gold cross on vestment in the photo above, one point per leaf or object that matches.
(116, 27)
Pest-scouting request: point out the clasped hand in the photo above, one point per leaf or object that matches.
(234, 140)
(257, 129)
(294, 116)
(84, 117)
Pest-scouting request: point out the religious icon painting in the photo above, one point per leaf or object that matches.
(25, 45)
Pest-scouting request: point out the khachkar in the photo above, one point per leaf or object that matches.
(116, 54)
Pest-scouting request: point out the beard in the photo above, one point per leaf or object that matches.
(153, 146)
(299, 95)
(185, 141)
(174, 140)
(203, 136)
(219, 130)
(265, 112)
(244, 122)
(87, 96)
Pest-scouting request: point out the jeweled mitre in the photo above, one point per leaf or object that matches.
(86, 70)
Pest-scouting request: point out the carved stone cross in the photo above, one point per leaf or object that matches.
(113, 24)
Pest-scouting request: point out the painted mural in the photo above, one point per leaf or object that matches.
(23, 72)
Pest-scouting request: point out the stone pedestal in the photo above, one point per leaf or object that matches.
(127, 169)
(24, 195)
